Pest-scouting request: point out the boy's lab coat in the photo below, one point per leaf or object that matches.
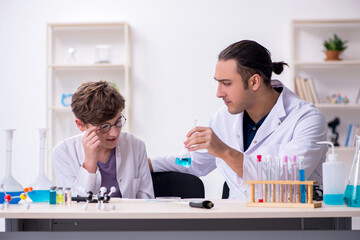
(133, 174)
(292, 127)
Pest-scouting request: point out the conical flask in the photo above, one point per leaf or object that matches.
(11, 186)
(184, 159)
(42, 184)
(352, 191)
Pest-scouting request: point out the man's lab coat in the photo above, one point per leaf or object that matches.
(292, 127)
(133, 174)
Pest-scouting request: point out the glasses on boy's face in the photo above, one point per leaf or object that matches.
(105, 127)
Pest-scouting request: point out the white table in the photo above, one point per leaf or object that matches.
(166, 215)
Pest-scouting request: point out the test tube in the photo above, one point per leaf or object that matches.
(259, 177)
(268, 177)
(302, 178)
(294, 177)
(277, 177)
(286, 177)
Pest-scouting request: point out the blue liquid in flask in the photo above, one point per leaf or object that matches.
(185, 162)
(334, 199)
(39, 195)
(352, 196)
(15, 194)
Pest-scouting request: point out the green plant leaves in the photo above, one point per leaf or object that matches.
(335, 44)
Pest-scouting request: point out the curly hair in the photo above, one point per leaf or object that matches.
(96, 102)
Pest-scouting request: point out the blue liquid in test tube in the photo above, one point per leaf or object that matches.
(302, 178)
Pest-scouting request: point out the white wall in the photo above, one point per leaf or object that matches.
(175, 46)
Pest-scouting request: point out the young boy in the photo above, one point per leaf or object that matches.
(102, 155)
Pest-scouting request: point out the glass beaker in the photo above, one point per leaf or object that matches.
(352, 191)
(184, 158)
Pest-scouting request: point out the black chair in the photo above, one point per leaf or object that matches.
(175, 184)
(225, 193)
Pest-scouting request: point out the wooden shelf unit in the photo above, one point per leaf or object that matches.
(329, 77)
(65, 76)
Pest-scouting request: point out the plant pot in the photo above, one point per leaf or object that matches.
(332, 55)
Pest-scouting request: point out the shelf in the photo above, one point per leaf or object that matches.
(341, 23)
(66, 71)
(328, 77)
(87, 66)
(328, 63)
(350, 149)
(338, 106)
(86, 25)
(60, 109)
(355, 63)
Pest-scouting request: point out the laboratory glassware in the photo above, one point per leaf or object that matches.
(68, 196)
(60, 197)
(286, 177)
(352, 191)
(184, 158)
(294, 178)
(277, 177)
(333, 172)
(268, 178)
(52, 195)
(302, 178)
(259, 178)
(10, 185)
(42, 184)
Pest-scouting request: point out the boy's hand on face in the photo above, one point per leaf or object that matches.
(204, 138)
(91, 143)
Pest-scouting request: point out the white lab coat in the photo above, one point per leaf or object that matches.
(133, 174)
(291, 128)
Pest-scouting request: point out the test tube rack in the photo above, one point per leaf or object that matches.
(290, 204)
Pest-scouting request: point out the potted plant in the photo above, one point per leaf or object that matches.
(334, 46)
